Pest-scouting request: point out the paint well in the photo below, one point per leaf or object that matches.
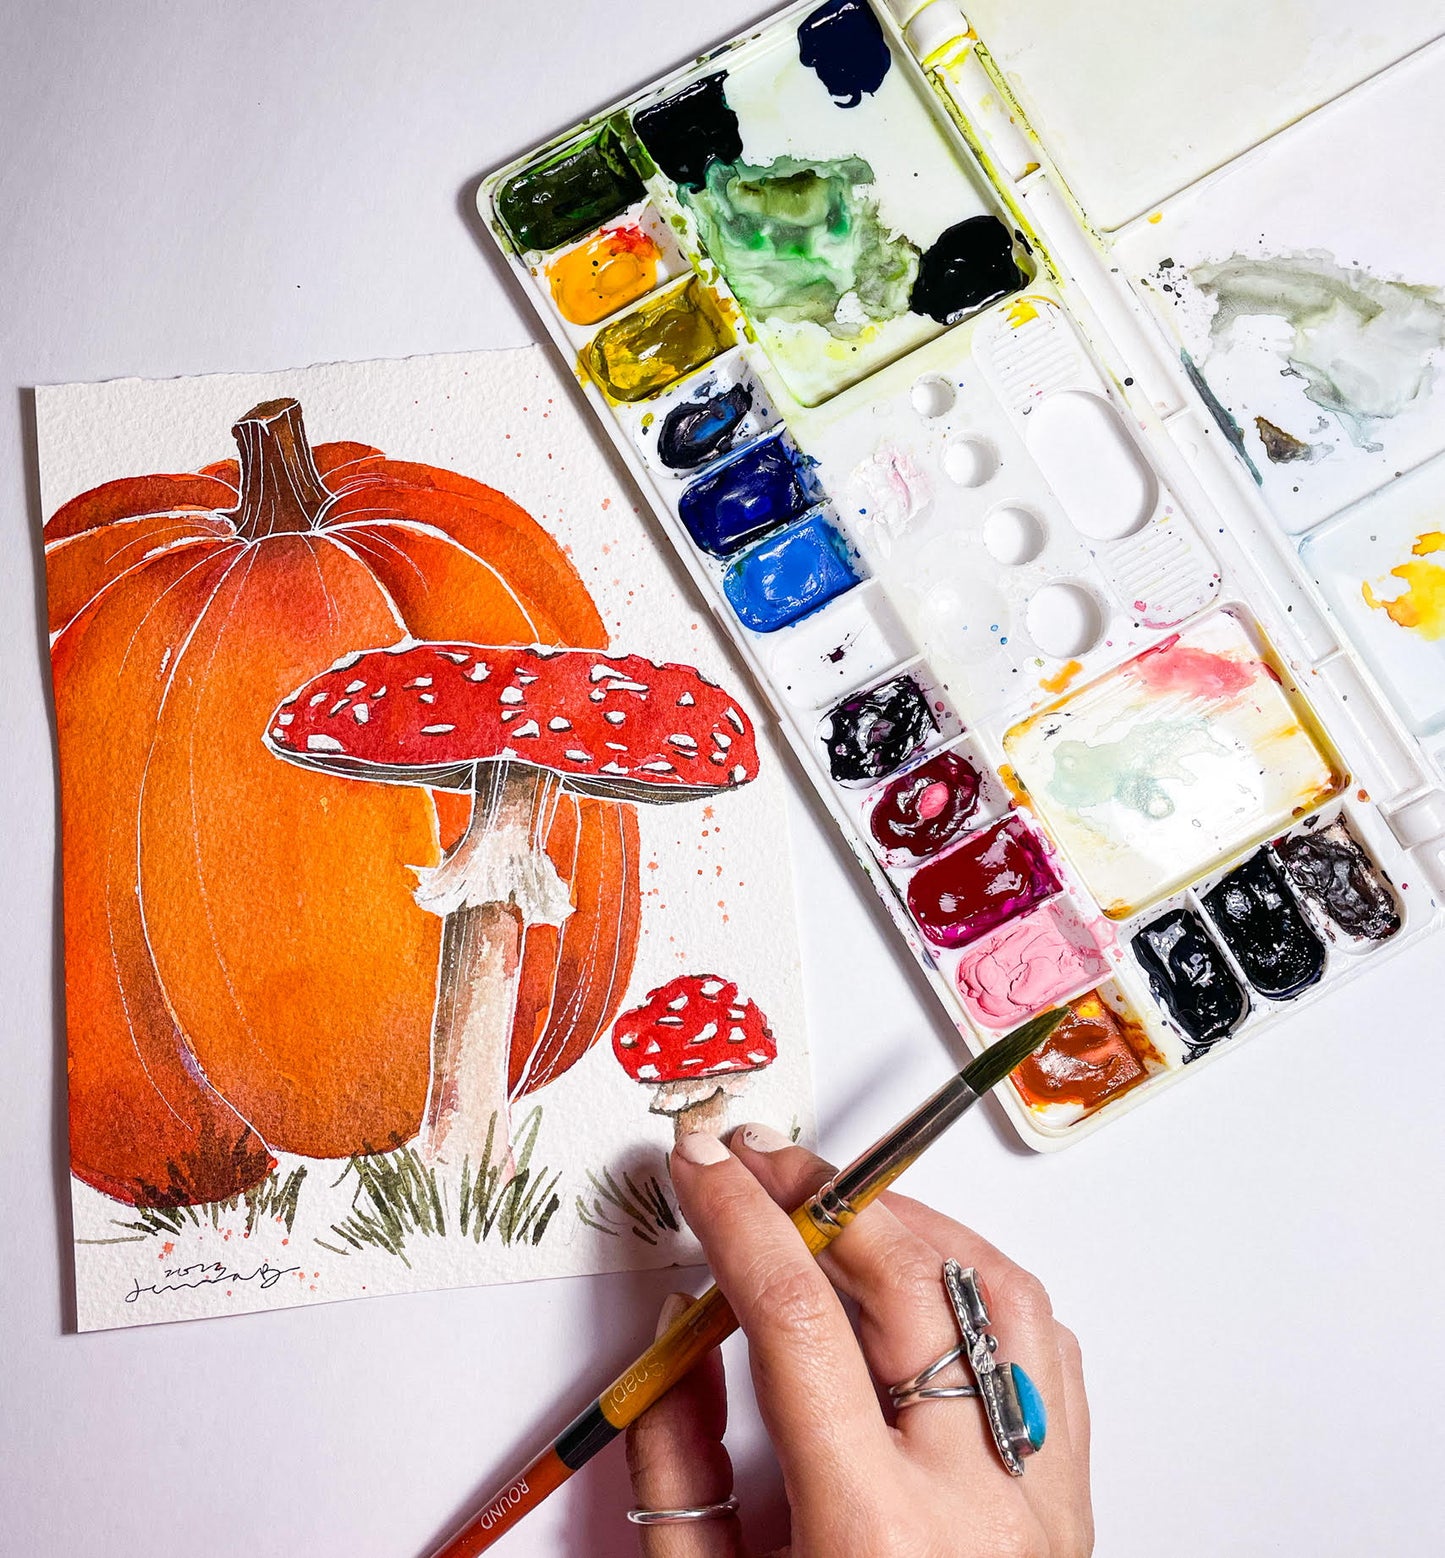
(844, 45)
(970, 462)
(1019, 969)
(922, 811)
(969, 266)
(612, 269)
(994, 875)
(789, 575)
(1097, 1054)
(691, 129)
(1161, 770)
(1262, 926)
(849, 643)
(569, 192)
(1065, 619)
(751, 493)
(657, 343)
(1331, 870)
(874, 733)
(1093, 465)
(1191, 978)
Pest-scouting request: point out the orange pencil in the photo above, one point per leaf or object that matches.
(709, 1320)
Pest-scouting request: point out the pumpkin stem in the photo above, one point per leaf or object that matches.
(281, 489)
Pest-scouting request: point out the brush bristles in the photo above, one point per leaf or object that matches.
(999, 1059)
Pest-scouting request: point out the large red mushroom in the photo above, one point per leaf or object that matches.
(697, 1043)
(512, 726)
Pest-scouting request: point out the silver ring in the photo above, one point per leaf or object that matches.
(1011, 1402)
(672, 1517)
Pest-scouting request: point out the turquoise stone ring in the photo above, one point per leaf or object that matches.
(1010, 1400)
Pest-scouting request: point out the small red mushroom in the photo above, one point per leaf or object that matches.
(697, 1043)
(508, 724)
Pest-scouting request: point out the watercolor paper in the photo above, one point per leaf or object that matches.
(360, 886)
(1164, 768)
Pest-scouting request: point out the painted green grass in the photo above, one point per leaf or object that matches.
(397, 1197)
(275, 1197)
(645, 1209)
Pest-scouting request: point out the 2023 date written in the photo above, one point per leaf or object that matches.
(207, 1274)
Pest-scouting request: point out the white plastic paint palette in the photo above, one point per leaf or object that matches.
(947, 541)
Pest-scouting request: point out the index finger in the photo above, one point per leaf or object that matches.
(814, 1391)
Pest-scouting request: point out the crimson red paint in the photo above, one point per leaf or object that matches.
(927, 807)
(993, 875)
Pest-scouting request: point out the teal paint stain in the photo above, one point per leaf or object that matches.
(804, 242)
(1222, 415)
(1138, 771)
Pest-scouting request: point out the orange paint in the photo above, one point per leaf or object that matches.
(1094, 1055)
(1062, 677)
(612, 269)
(246, 967)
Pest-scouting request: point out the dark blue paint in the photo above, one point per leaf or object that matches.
(789, 575)
(699, 430)
(843, 42)
(753, 492)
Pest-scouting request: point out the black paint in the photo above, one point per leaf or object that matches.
(843, 42)
(584, 1436)
(1329, 868)
(1262, 926)
(971, 264)
(1190, 978)
(699, 430)
(1223, 416)
(687, 131)
(874, 734)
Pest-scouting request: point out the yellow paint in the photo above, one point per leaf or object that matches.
(1062, 677)
(1021, 311)
(1156, 216)
(612, 269)
(640, 354)
(1421, 608)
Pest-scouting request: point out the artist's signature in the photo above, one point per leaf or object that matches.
(207, 1274)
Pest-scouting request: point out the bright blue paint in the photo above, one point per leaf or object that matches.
(844, 44)
(744, 497)
(1031, 1404)
(789, 575)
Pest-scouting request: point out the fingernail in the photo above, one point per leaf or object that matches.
(763, 1138)
(672, 1306)
(699, 1147)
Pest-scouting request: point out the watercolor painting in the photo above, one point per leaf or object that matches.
(358, 776)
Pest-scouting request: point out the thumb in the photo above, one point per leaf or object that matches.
(676, 1457)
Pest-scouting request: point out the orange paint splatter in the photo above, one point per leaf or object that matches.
(1062, 677)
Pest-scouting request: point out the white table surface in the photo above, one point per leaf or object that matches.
(1252, 1262)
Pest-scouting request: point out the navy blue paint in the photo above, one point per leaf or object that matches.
(700, 430)
(685, 132)
(1262, 926)
(844, 44)
(753, 492)
(969, 265)
(789, 575)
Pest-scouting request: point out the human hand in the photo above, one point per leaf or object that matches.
(862, 1480)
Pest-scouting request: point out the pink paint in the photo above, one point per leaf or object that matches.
(1198, 673)
(933, 799)
(1020, 968)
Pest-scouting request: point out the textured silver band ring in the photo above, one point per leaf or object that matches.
(672, 1517)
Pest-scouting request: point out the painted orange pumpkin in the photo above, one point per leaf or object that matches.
(246, 967)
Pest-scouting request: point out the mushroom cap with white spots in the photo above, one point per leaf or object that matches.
(615, 726)
(693, 1026)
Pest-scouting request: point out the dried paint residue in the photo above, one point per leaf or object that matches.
(1197, 673)
(888, 491)
(1061, 678)
(1421, 605)
(1362, 345)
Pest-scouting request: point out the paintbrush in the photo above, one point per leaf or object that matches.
(708, 1320)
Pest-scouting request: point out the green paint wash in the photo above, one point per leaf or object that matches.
(1361, 344)
(570, 192)
(1137, 771)
(803, 242)
(665, 337)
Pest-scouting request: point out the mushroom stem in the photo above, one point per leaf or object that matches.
(494, 882)
(707, 1115)
(281, 489)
